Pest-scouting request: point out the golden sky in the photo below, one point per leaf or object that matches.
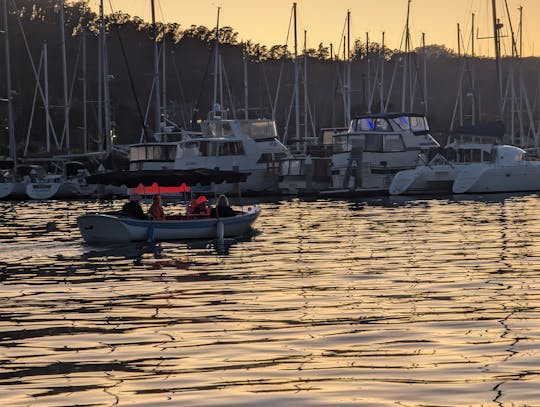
(267, 22)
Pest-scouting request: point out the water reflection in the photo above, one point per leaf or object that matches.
(372, 302)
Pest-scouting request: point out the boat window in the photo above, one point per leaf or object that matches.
(365, 124)
(382, 125)
(393, 142)
(260, 129)
(414, 123)
(476, 156)
(370, 124)
(374, 143)
(217, 129)
(231, 148)
(469, 155)
(265, 158)
(152, 153)
(340, 143)
(418, 123)
(190, 149)
(136, 153)
(197, 149)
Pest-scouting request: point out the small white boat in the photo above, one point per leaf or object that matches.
(125, 227)
(70, 183)
(508, 172)
(53, 186)
(13, 185)
(117, 227)
(471, 168)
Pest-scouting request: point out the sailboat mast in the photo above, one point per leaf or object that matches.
(246, 93)
(305, 141)
(85, 129)
(216, 62)
(424, 63)
(64, 76)
(348, 111)
(100, 78)
(164, 80)
(47, 107)
(381, 87)
(496, 26)
(157, 87)
(296, 80)
(12, 146)
(406, 59)
(104, 104)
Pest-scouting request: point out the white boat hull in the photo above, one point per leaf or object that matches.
(103, 228)
(13, 190)
(489, 179)
(423, 180)
(49, 190)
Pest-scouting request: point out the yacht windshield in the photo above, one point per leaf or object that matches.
(370, 124)
(414, 123)
(260, 129)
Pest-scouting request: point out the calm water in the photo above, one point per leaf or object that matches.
(376, 302)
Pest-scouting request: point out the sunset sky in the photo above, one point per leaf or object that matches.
(266, 22)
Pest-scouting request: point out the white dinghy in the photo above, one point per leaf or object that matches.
(122, 226)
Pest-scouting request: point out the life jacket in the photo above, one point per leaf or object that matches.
(195, 208)
(157, 212)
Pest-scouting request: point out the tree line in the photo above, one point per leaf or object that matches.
(377, 74)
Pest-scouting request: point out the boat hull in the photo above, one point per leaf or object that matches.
(517, 178)
(13, 190)
(103, 228)
(49, 190)
(424, 180)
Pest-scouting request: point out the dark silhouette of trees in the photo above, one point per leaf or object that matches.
(189, 74)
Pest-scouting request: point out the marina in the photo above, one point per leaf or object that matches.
(369, 302)
(192, 218)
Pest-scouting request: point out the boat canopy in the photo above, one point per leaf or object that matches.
(167, 178)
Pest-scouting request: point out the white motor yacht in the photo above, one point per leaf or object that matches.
(375, 148)
(244, 145)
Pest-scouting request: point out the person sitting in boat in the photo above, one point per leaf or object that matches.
(222, 209)
(199, 207)
(156, 210)
(133, 209)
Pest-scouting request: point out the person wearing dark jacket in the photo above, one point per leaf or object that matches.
(133, 209)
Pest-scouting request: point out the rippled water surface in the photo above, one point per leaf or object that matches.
(375, 302)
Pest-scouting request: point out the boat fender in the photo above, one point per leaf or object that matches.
(150, 233)
(220, 231)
